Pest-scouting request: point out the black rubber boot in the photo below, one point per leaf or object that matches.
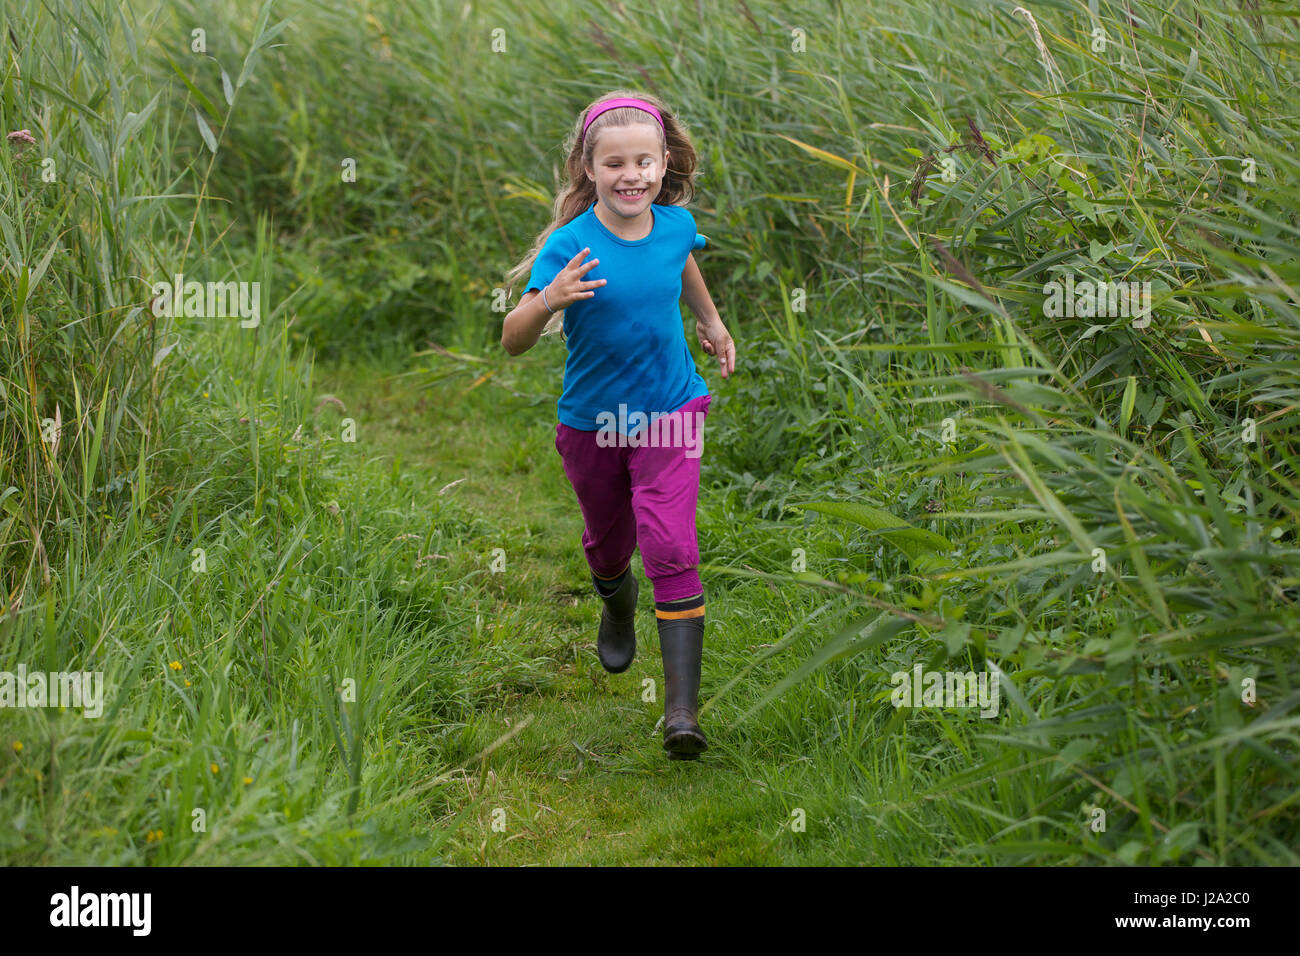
(682, 642)
(616, 642)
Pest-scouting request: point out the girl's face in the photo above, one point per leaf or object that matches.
(628, 168)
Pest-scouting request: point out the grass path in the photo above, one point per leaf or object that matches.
(586, 781)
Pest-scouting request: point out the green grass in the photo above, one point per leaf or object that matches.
(913, 464)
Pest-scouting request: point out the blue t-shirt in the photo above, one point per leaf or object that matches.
(626, 343)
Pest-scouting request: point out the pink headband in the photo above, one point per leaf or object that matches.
(614, 104)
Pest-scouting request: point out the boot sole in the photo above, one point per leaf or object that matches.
(615, 670)
(685, 745)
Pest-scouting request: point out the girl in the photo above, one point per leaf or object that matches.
(633, 403)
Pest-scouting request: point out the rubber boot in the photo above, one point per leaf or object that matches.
(682, 642)
(616, 642)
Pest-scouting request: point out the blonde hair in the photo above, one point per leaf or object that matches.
(577, 192)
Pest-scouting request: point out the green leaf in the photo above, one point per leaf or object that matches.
(54, 91)
(1126, 406)
(913, 542)
(227, 88)
(1073, 752)
(133, 122)
(954, 635)
(13, 507)
(1183, 838)
(880, 628)
(205, 131)
(197, 93)
(1006, 686)
(1131, 851)
(1009, 640)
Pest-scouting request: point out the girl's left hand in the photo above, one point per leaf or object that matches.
(716, 340)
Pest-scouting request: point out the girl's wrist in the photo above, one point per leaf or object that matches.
(545, 302)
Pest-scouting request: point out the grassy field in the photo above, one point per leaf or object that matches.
(327, 560)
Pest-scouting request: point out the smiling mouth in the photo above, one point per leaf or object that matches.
(631, 193)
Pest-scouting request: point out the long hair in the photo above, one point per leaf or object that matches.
(577, 192)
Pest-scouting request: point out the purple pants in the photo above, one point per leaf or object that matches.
(641, 496)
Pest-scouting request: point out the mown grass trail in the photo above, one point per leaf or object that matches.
(585, 781)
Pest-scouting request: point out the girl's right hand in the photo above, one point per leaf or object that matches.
(568, 287)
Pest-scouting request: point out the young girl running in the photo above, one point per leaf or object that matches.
(612, 267)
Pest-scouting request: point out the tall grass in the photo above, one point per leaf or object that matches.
(1125, 517)
(79, 203)
(194, 528)
(1104, 513)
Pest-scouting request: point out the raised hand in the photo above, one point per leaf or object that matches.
(569, 287)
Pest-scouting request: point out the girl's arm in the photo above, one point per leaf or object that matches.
(714, 337)
(523, 326)
(696, 294)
